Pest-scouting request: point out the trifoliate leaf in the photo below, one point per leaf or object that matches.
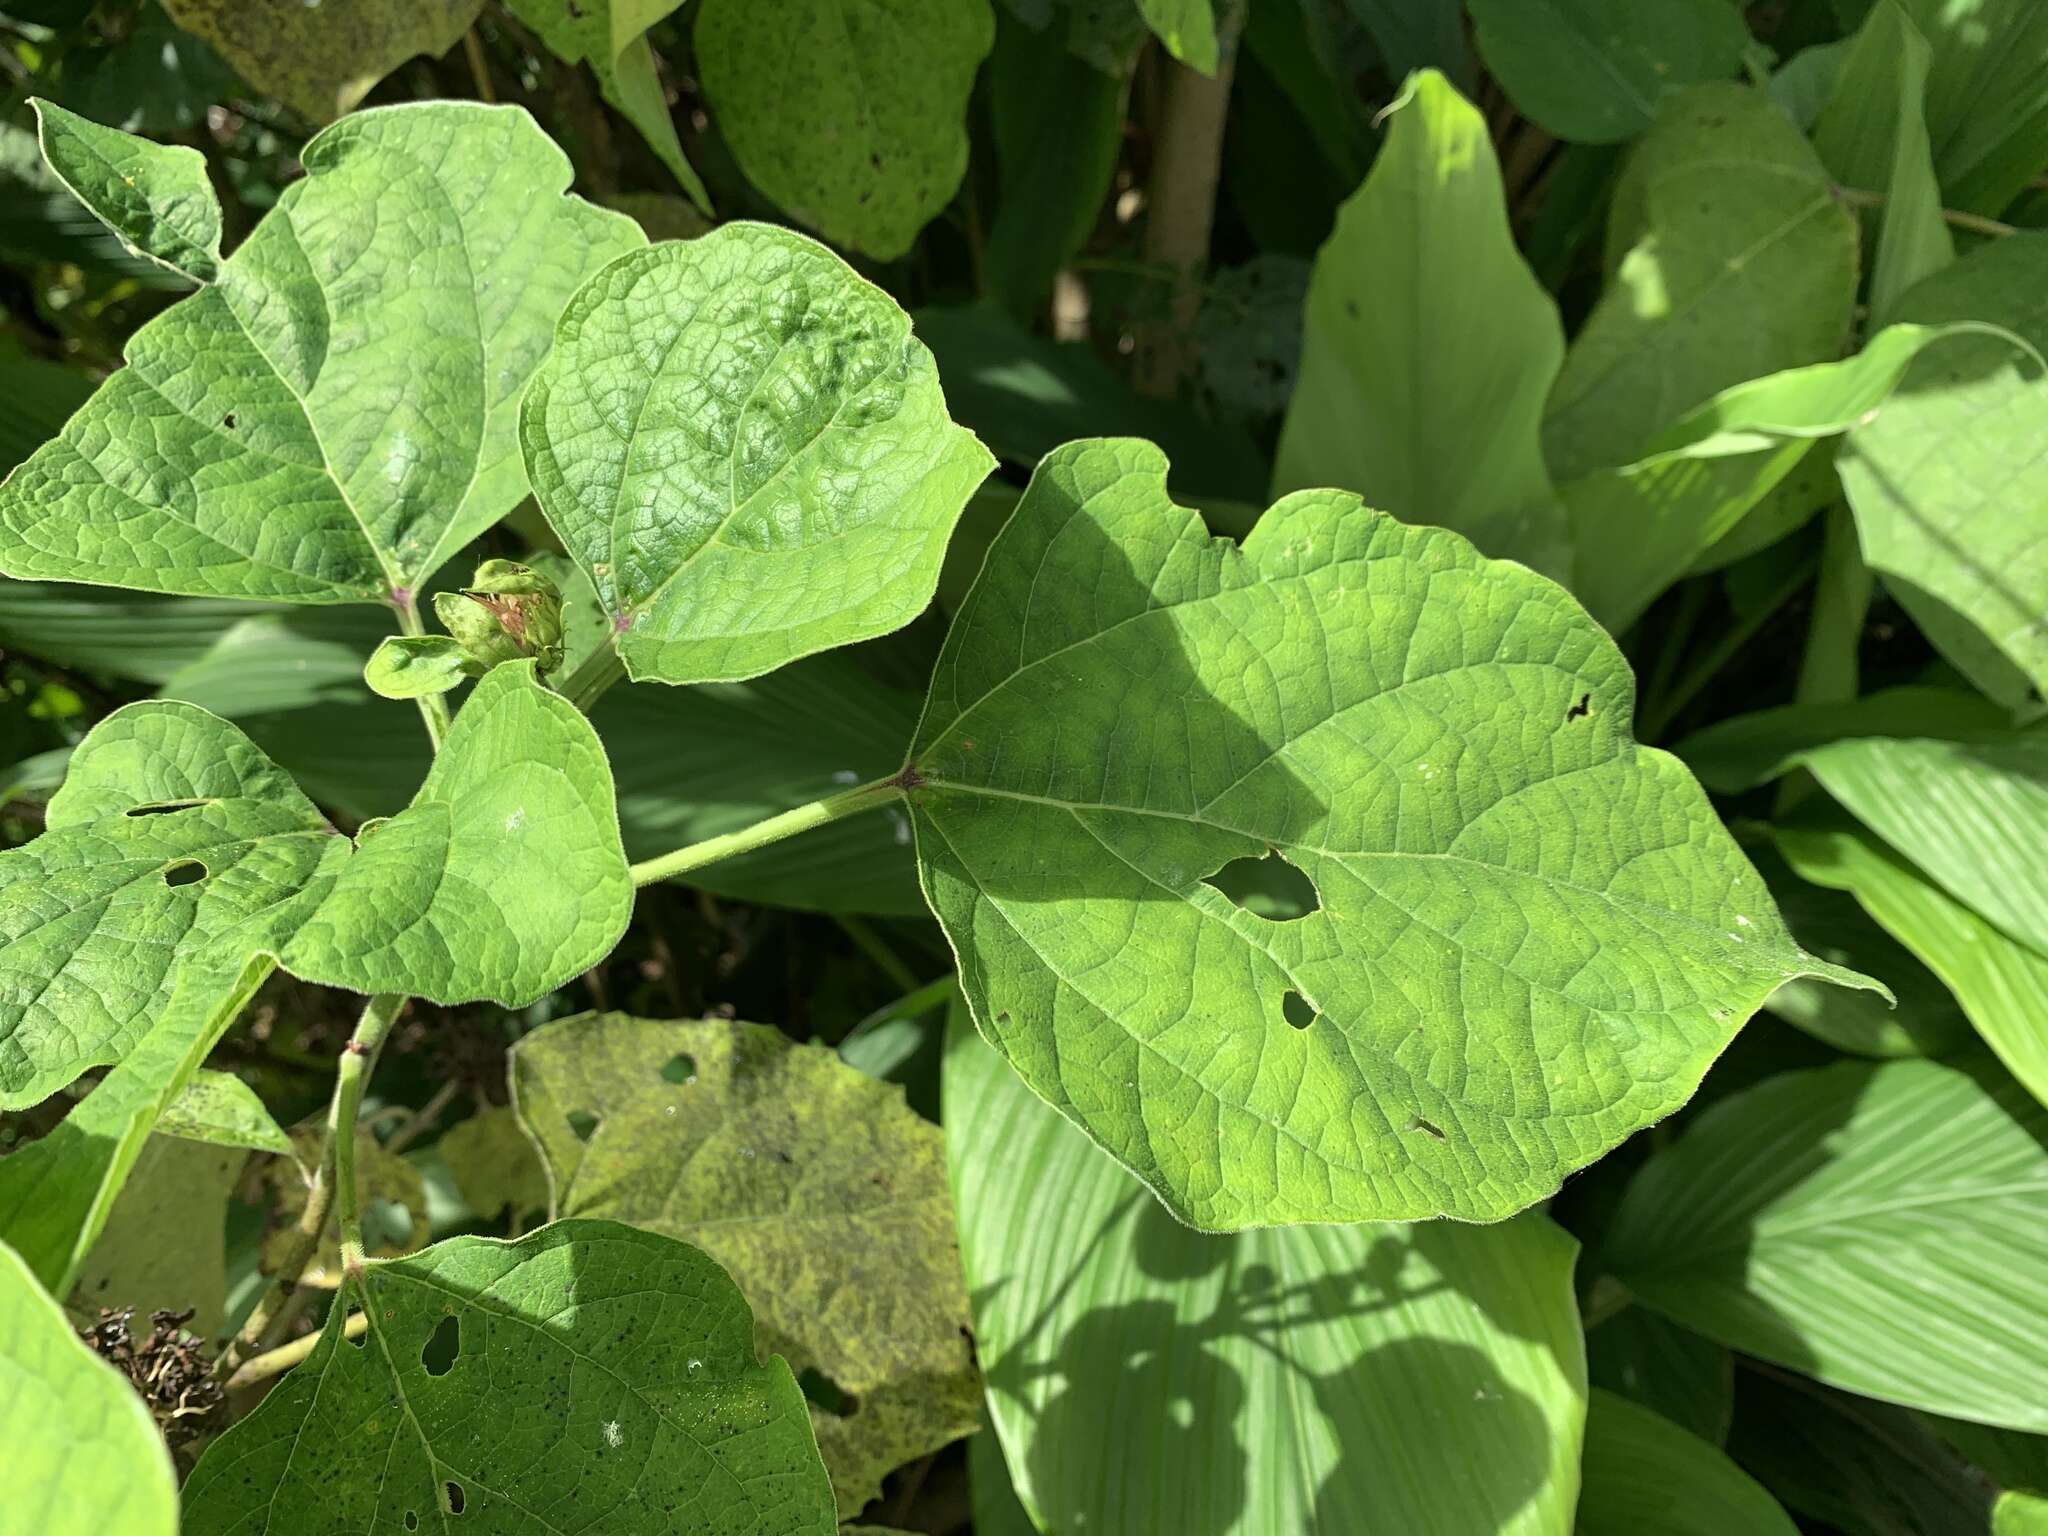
(83, 1456)
(746, 450)
(154, 196)
(220, 1108)
(814, 1185)
(587, 1368)
(851, 117)
(1526, 936)
(332, 417)
(416, 666)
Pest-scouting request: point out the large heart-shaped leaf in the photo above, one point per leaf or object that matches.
(588, 1377)
(332, 417)
(747, 452)
(1421, 1380)
(820, 1192)
(83, 1456)
(1528, 936)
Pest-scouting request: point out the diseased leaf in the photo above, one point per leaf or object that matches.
(154, 196)
(747, 452)
(595, 1368)
(1145, 1377)
(332, 417)
(220, 1108)
(320, 60)
(1644, 1473)
(165, 1241)
(1881, 1227)
(1645, 1357)
(83, 1457)
(1428, 347)
(850, 116)
(1596, 70)
(1947, 481)
(816, 1188)
(1731, 260)
(495, 1165)
(1527, 940)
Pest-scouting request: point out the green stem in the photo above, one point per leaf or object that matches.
(1977, 224)
(595, 673)
(433, 707)
(849, 802)
(1658, 719)
(358, 1061)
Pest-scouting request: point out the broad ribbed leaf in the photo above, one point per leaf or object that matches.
(154, 196)
(1947, 482)
(1731, 260)
(850, 116)
(1645, 1357)
(111, 633)
(602, 1379)
(1747, 750)
(1882, 1227)
(1375, 1380)
(332, 417)
(1596, 70)
(1428, 347)
(1987, 97)
(83, 1456)
(1643, 1473)
(813, 1184)
(1529, 936)
(747, 452)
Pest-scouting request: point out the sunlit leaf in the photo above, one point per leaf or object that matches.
(154, 196)
(220, 1108)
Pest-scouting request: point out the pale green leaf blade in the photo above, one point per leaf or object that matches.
(2001, 983)
(164, 1246)
(84, 1457)
(1747, 750)
(1732, 261)
(814, 1185)
(320, 60)
(1595, 71)
(2020, 1513)
(1187, 28)
(747, 452)
(1643, 1473)
(220, 1108)
(495, 1166)
(597, 1368)
(1143, 1376)
(850, 117)
(1882, 1227)
(1948, 483)
(1532, 938)
(334, 415)
(415, 666)
(154, 196)
(1428, 346)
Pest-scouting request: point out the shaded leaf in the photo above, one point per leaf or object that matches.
(495, 1165)
(1744, 751)
(1528, 941)
(219, 1108)
(165, 1241)
(103, 630)
(394, 1202)
(156, 197)
(1987, 97)
(1644, 1473)
(1645, 1357)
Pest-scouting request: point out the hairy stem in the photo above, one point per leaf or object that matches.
(595, 673)
(433, 707)
(358, 1061)
(850, 802)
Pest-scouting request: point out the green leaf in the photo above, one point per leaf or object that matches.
(1881, 1227)
(416, 666)
(1531, 938)
(494, 1165)
(332, 417)
(747, 453)
(39, 396)
(1428, 347)
(1744, 751)
(1187, 28)
(84, 1457)
(1732, 260)
(220, 1108)
(108, 632)
(1418, 34)
(154, 196)
(150, 79)
(850, 117)
(1644, 1473)
(2001, 984)
(1144, 1377)
(165, 1242)
(1679, 1376)
(1947, 482)
(1595, 71)
(1987, 97)
(612, 35)
(388, 1187)
(1640, 527)
(2020, 1514)
(595, 1367)
(815, 1187)
(320, 60)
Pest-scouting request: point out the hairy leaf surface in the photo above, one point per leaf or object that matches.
(1529, 936)
(154, 196)
(333, 416)
(603, 1379)
(747, 452)
(813, 1184)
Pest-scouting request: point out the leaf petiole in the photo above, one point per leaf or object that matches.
(358, 1061)
(802, 818)
(593, 675)
(433, 707)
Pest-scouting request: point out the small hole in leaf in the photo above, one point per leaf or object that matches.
(412, 1520)
(228, 421)
(164, 807)
(1267, 887)
(681, 1068)
(582, 1124)
(1296, 1009)
(821, 1391)
(454, 1493)
(1580, 710)
(1428, 1128)
(359, 1335)
(438, 1354)
(184, 872)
